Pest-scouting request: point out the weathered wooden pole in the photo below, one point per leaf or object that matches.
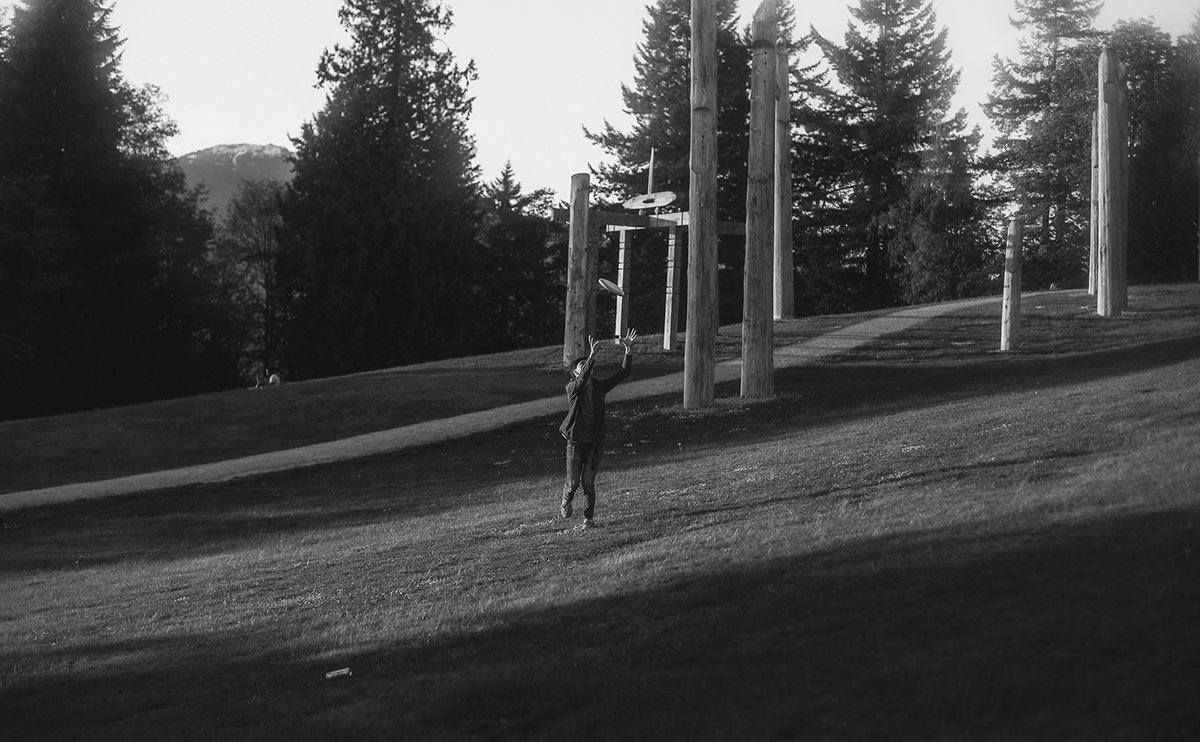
(1122, 279)
(623, 301)
(1010, 321)
(579, 269)
(622, 323)
(650, 176)
(1094, 223)
(700, 348)
(785, 297)
(671, 309)
(1112, 185)
(758, 368)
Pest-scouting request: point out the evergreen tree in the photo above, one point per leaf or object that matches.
(101, 244)
(1042, 106)
(521, 283)
(867, 140)
(941, 245)
(1164, 82)
(246, 254)
(659, 101)
(378, 246)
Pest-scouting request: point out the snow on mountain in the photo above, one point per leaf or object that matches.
(223, 167)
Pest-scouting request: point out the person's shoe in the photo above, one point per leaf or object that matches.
(565, 509)
(589, 523)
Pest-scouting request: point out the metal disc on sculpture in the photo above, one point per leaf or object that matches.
(651, 200)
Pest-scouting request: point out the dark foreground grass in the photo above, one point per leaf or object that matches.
(955, 547)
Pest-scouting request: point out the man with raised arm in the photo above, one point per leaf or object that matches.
(583, 426)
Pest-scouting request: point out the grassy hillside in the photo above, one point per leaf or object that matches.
(925, 539)
(103, 444)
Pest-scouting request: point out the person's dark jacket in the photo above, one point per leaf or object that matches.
(584, 422)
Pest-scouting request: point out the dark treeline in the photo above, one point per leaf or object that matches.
(894, 201)
(387, 248)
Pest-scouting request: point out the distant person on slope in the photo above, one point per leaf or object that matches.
(584, 425)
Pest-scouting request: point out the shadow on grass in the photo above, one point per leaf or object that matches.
(200, 520)
(811, 397)
(1028, 630)
(165, 435)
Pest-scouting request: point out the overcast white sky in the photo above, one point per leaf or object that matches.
(244, 70)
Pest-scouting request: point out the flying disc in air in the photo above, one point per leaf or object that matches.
(611, 287)
(650, 200)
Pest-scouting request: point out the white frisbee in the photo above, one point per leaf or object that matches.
(611, 287)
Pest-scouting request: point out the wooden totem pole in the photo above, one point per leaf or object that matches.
(1112, 138)
(700, 340)
(758, 368)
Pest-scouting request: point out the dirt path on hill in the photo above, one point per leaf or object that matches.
(460, 426)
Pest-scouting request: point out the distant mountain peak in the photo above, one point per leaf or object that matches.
(236, 151)
(223, 167)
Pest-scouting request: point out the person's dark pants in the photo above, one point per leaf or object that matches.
(583, 461)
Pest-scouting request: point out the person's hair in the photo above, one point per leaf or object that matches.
(575, 363)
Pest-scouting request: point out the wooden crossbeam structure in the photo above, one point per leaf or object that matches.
(768, 291)
(625, 224)
(616, 220)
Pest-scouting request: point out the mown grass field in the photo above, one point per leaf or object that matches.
(922, 539)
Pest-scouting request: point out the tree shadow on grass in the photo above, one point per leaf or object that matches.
(822, 396)
(433, 479)
(1082, 630)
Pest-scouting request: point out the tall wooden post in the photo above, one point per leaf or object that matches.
(579, 268)
(671, 309)
(758, 369)
(700, 349)
(650, 175)
(785, 297)
(1113, 185)
(622, 323)
(1094, 231)
(596, 238)
(1010, 321)
(1123, 190)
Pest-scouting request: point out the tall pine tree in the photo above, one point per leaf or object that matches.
(1164, 120)
(246, 255)
(659, 101)
(378, 246)
(521, 282)
(868, 137)
(101, 245)
(1042, 105)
